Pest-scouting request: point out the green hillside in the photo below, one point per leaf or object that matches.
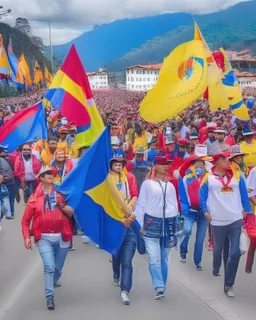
(29, 45)
(233, 28)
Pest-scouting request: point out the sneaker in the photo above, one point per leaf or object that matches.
(125, 298)
(50, 303)
(216, 273)
(229, 292)
(199, 267)
(183, 258)
(159, 295)
(10, 218)
(116, 282)
(72, 248)
(57, 285)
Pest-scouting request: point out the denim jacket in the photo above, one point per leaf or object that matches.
(153, 227)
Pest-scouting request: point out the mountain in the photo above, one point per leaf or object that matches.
(22, 43)
(127, 42)
(111, 41)
(228, 29)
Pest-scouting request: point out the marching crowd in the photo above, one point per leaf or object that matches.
(199, 167)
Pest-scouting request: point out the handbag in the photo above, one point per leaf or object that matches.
(243, 244)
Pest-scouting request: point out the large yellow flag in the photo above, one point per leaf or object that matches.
(23, 74)
(216, 93)
(182, 80)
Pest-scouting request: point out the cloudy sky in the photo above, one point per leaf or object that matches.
(70, 18)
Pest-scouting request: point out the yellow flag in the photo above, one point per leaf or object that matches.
(217, 96)
(23, 74)
(182, 80)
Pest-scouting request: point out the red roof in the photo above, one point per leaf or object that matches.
(244, 74)
(155, 66)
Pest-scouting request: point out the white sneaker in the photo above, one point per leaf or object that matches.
(125, 298)
(116, 283)
(229, 291)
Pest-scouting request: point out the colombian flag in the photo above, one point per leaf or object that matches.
(25, 126)
(70, 93)
(92, 193)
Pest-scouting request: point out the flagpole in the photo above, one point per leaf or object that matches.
(50, 37)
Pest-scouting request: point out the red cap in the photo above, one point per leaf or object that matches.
(63, 130)
(162, 159)
(183, 169)
(183, 141)
(222, 154)
(211, 128)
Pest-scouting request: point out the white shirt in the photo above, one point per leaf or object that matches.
(225, 207)
(251, 183)
(151, 201)
(29, 173)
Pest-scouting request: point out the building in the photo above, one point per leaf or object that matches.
(98, 80)
(242, 61)
(246, 79)
(142, 77)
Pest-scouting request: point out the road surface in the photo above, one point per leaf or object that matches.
(87, 291)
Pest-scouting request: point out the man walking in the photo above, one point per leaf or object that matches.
(224, 201)
(26, 169)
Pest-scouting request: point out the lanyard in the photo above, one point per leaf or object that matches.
(164, 204)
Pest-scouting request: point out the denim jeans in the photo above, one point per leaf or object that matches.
(220, 233)
(53, 257)
(12, 193)
(202, 225)
(124, 260)
(31, 187)
(158, 261)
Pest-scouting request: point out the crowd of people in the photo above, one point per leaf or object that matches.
(198, 167)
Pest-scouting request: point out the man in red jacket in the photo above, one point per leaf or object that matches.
(26, 169)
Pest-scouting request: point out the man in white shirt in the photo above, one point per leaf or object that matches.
(156, 211)
(224, 201)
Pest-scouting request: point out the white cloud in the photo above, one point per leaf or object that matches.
(70, 18)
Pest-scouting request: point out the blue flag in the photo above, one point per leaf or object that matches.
(89, 192)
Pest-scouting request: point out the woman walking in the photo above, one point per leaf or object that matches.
(156, 211)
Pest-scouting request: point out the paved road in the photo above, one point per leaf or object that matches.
(87, 290)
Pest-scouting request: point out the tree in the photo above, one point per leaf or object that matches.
(22, 24)
(37, 41)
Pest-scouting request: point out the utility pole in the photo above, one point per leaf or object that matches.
(51, 52)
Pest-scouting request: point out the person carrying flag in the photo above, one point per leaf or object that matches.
(129, 244)
(52, 230)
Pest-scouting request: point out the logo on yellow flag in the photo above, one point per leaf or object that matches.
(182, 80)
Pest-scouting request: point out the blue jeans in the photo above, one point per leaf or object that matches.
(53, 258)
(12, 193)
(124, 259)
(31, 187)
(202, 225)
(220, 233)
(158, 262)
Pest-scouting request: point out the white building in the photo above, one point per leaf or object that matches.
(246, 79)
(142, 77)
(98, 80)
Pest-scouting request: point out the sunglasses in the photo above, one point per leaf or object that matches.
(48, 172)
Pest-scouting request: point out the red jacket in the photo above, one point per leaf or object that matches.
(19, 167)
(133, 187)
(34, 212)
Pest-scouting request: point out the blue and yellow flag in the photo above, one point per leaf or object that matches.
(91, 191)
(182, 80)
